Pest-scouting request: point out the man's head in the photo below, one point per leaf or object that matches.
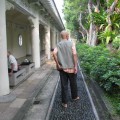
(67, 35)
(8, 53)
(64, 35)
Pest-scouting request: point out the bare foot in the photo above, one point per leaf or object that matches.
(64, 105)
(77, 98)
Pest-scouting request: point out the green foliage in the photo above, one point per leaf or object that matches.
(72, 10)
(101, 65)
(115, 101)
(100, 18)
(104, 67)
(116, 42)
(107, 35)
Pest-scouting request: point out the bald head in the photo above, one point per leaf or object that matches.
(64, 35)
(8, 53)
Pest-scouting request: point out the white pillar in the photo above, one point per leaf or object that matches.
(35, 43)
(28, 41)
(4, 81)
(53, 39)
(57, 37)
(47, 41)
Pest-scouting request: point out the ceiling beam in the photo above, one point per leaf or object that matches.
(32, 1)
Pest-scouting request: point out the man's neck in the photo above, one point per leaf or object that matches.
(64, 39)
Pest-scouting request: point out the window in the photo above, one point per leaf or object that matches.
(20, 40)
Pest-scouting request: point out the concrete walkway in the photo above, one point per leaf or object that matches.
(41, 88)
(41, 106)
(49, 105)
(25, 94)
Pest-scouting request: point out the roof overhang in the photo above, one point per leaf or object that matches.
(51, 8)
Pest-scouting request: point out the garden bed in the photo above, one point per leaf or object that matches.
(104, 67)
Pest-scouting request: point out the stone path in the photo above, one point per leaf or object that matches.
(77, 110)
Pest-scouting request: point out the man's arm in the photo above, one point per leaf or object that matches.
(75, 57)
(56, 59)
(75, 62)
(12, 68)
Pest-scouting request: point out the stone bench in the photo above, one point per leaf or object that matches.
(17, 77)
(30, 68)
(22, 74)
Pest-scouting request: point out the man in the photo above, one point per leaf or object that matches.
(68, 37)
(65, 57)
(12, 64)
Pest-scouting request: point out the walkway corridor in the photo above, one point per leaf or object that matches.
(76, 110)
(49, 107)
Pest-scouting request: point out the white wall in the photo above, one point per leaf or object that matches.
(13, 31)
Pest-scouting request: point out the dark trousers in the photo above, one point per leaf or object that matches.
(65, 78)
(9, 70)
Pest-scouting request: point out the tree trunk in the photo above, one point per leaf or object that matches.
(82, 34)
(92, 39)
(82, 28)
(110, 11)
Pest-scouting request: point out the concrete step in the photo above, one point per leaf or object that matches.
(43, 75)
(42, 104)
(25, 94)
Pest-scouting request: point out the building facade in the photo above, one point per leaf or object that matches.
(28, 28)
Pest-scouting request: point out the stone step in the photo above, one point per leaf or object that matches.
(40, 109)
(32, 86)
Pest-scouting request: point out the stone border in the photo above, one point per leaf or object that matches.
(89, 95)
(7, 98)
(97, 99)
(52, 100)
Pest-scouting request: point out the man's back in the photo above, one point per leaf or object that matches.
(65, 56)
(12, 60)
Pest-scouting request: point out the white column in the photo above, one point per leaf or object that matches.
(53, 39)
(4, 81)
(28, 41)
(36, 43)
(47, 41)
(57, 37)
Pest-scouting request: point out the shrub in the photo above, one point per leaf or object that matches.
(101, 65)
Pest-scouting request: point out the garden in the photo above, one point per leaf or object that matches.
(104, 67)
(96, 26)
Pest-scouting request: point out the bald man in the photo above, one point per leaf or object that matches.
(12, 64)
(65, 57)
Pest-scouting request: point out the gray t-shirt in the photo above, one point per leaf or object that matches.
(65, 55)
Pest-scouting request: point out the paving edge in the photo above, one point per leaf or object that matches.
(25, 107)
(7, 98)
(104, 113)
(97, 93)
(89, 95)
(52, 100)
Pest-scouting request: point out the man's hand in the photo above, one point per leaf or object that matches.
(10, 74)
(59, 67)
(75, 69)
